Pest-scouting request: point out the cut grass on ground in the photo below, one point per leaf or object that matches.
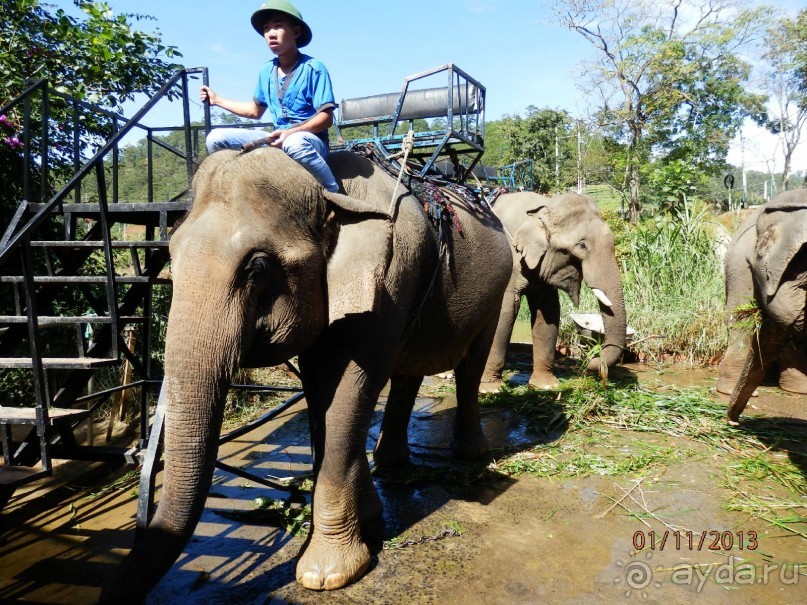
(624, 430)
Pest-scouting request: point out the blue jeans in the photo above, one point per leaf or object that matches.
(304, 147)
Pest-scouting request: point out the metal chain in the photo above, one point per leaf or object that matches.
(446, 533)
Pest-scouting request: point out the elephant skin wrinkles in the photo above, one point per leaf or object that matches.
(269, 265)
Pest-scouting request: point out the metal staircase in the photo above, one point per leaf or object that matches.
(66, 270)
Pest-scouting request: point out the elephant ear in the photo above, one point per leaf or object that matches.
(531, 241)
(781, 234)
(358, 260)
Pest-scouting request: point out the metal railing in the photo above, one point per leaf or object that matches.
(461, 103)
(120, 127)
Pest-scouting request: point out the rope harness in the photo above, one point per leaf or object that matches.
(429, 190)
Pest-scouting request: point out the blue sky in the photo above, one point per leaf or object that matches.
(511, 46)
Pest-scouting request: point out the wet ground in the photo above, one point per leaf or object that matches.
(455, 533)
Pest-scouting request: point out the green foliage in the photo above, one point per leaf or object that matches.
(673, 285)
(546, 136)
(786, 81)
(672, 88)
(671, 183)
(101, 58)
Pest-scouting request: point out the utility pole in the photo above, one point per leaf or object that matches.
(744, 202)
(557, 161)
(579, 161)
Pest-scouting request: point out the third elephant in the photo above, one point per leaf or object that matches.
(557, 243)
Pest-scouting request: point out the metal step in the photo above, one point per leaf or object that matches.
(100, 244)
(84, 279)
(15, 415)
(152, 214)
(59, 363)
(12, 476)
(59, 320)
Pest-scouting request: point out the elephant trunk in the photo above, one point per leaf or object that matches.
(603, 275)
(201, 357)
(766, 344)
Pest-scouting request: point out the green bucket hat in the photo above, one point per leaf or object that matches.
(259, 18)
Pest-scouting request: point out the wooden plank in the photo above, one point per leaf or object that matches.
(59, 363)
(59, 320)
(17, 475)
(15, 415)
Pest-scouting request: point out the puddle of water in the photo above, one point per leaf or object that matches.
(524, 540)
(522, 331)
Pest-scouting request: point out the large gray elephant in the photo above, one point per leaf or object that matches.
(778, 262)
(556, 243)
(268, 265)
(791, 361)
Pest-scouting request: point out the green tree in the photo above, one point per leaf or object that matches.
(669, 77)
(786, 81)
(545, 136)
(100, 58)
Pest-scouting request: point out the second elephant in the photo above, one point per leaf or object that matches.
(557, 243)
(777, 262)
(791, 361)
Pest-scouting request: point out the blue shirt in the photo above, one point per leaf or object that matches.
(307, 92)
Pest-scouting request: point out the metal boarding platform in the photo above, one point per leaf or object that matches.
(61, 255)
(517, 176)
(460, 102)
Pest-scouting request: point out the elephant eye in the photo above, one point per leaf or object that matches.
(582, 245)
(258, 266)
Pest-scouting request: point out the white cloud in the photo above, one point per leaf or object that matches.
(223, 54)
(481, 6)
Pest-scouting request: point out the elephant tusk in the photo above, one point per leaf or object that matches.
(601, 297)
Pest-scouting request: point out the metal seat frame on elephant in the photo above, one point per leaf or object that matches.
(461, 102)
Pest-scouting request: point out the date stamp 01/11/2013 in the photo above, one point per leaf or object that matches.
(689, 540)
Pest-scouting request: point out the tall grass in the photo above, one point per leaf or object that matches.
(673, 283)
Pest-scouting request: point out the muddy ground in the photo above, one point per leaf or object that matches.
(455, 533)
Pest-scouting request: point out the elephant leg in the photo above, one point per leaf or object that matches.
(545, 315)
(346, 507)
(392, 449)
(492, 374)
(793, 369)
(468, 440)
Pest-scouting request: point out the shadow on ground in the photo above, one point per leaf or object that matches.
(455, 532)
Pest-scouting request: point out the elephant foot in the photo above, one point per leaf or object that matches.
(727, 389)
(793, 380)
(543, 380)
(391, 456)
(493, 386)
(469, 446)
(331, 563)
